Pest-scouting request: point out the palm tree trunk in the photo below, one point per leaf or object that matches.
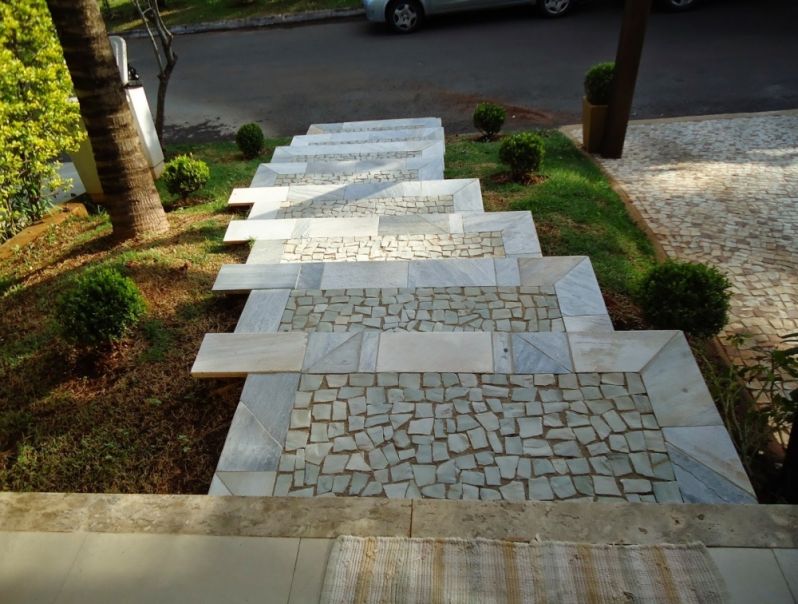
(129, 191)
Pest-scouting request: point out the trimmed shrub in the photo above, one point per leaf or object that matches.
(99, 308)
(523, 152)
(185, 175)
(598, 82)
(489, 119)
(250, 140)
(689, 296)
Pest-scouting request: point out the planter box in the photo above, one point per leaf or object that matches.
(594, 117)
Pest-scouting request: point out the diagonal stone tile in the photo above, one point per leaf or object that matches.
(333, 352)
(541, 353)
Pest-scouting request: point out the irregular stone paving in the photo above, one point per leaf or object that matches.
(448, 435)
(725, 192)
(424, 309)
(282, 180)
(396, 247)
(394, 206)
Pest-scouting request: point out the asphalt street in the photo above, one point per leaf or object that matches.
(725, 56)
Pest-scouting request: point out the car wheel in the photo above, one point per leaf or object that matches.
(677, 5)
(554, 8)
(404, 16)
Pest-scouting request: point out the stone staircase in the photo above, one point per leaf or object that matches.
(399, 342)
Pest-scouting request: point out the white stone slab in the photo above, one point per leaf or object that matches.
(239, 278)
(391, 124)
(352, 275)
(470, 352)
(239, 231)
(677, 389)
(517, 228)
(342, 152)
(338, 172)
(263, 311)
(627, 351)
(369, 136)
(236, 355)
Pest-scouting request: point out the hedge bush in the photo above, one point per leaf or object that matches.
(185, 175)
(689, 296)
(489, 119)
(99, 308)
(250, 140)
(598, 83)
(523, 153)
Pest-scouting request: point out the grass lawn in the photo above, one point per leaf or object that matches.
(135, 421)
(576, 212)
(121, 15)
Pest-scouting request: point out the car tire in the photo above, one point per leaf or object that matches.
(554, 8)
(404, 16)
(675, 6)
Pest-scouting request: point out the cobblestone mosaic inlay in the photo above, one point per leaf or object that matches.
(401, 247)
(283, 180)
(424, 309)
(470, 436)
(394, 206)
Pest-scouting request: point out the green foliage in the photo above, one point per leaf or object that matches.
(99, 308)
(689, 296)
(37, 120)
(489, 119)
(185, 175)
(523, 152)
(250, 140)
(598, 81)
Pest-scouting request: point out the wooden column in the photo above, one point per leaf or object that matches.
(627, 62)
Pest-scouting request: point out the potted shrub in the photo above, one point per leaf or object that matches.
(598, 81)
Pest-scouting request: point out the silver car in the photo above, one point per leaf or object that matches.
(405, 16)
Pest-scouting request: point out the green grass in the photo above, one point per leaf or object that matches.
(121, 15)
(576, 211)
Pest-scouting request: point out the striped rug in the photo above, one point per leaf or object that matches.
(374, 570)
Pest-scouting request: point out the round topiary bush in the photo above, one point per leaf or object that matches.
(489, 119)
(688, 296)
(598, 82)
(523, 152)
(100, 307)
(185, 175)
(250, 140)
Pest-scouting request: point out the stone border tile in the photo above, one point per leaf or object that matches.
(369, 136)
(746, 526)
(263, 311)
(238, 354)
(620, 351)
(409, 352)
(390, 124)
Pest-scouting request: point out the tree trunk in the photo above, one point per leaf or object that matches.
(129, 191)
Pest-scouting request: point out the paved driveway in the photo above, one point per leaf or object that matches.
(725, 192)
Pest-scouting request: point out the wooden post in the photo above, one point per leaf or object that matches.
(627, 62)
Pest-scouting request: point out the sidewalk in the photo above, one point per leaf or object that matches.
(724, 191)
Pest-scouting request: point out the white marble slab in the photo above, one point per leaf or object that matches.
(340, 152)
(236, 355)
(470, 352)
(369, 136)
(627, 351)
(337, 172)
(263, 311)
(390, 124)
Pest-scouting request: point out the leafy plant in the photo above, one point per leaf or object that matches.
(185, 175)
(489, 119)
(99, 308)
(598, 83)
(523, 152)
(37, 119)
(250, 140)
(689, 296)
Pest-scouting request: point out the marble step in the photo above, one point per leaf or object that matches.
(387, 237)
(367, 125)
(360, 199)
(369, 136)
(548, 416)
(488, 294)
(349, 171)
(360, 151)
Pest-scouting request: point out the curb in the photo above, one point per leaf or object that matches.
(281, 20)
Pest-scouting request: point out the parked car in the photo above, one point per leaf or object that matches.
(405, 16)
